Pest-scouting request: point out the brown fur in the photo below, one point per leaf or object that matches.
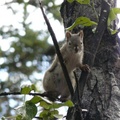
(72, 52)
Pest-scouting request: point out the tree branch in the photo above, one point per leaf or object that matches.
(19, 93)
(58, 52)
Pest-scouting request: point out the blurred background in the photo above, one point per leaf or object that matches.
(26, 48)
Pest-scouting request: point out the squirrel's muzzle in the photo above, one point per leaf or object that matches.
(76, 48)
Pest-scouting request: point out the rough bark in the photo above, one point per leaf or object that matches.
(101, 93)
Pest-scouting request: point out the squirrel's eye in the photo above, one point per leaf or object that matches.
(69, 43)
(80, 42)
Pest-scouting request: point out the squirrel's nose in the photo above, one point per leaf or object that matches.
(76, 48)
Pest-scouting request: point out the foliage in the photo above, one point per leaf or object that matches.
(28, 54)
(113, 16)
(26, 50)
(29, 108)
(83, 21)
(27, 89)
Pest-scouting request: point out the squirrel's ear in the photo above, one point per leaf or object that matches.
(81, 34)
(68, 35)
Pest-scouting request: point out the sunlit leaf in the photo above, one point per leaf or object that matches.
(45, 105)
(80, 1)
(70, 1)
(26, 89)
(36, 99)
(113, 15)
(83, 1)
(57, 105)
(69, 103)
(83, 21)
(114, 32)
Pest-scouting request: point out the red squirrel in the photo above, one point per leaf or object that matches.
(72, 52)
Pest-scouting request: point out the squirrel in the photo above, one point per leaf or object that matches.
(72, 51)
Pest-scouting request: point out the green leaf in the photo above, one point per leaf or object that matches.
(83, 21)
(36, 99)
(33, 87)
(113, 15)
(44, 114)
(27, 89)
(31, 110)
(57, 105)
(80, 1)
(26, 111)
(70, 1)
(83, 1)
(69, 103)
(19, 117)
(114, 32)
(45, 105)
(54, 112)
(3, 118)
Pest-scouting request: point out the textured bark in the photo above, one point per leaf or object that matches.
(101, 95)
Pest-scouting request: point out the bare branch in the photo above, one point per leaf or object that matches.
(19, 93)
(58, 52)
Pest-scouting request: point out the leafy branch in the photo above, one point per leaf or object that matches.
(85, 22)
(29, 110)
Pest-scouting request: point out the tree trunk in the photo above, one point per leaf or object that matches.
(101, 92)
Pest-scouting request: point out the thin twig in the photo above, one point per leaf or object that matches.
(19, 93)
(58, 52)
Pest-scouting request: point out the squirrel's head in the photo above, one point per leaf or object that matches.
(75, 41)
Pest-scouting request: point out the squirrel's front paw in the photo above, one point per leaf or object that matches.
(85, 68)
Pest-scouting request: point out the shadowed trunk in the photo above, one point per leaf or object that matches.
(101, 95)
